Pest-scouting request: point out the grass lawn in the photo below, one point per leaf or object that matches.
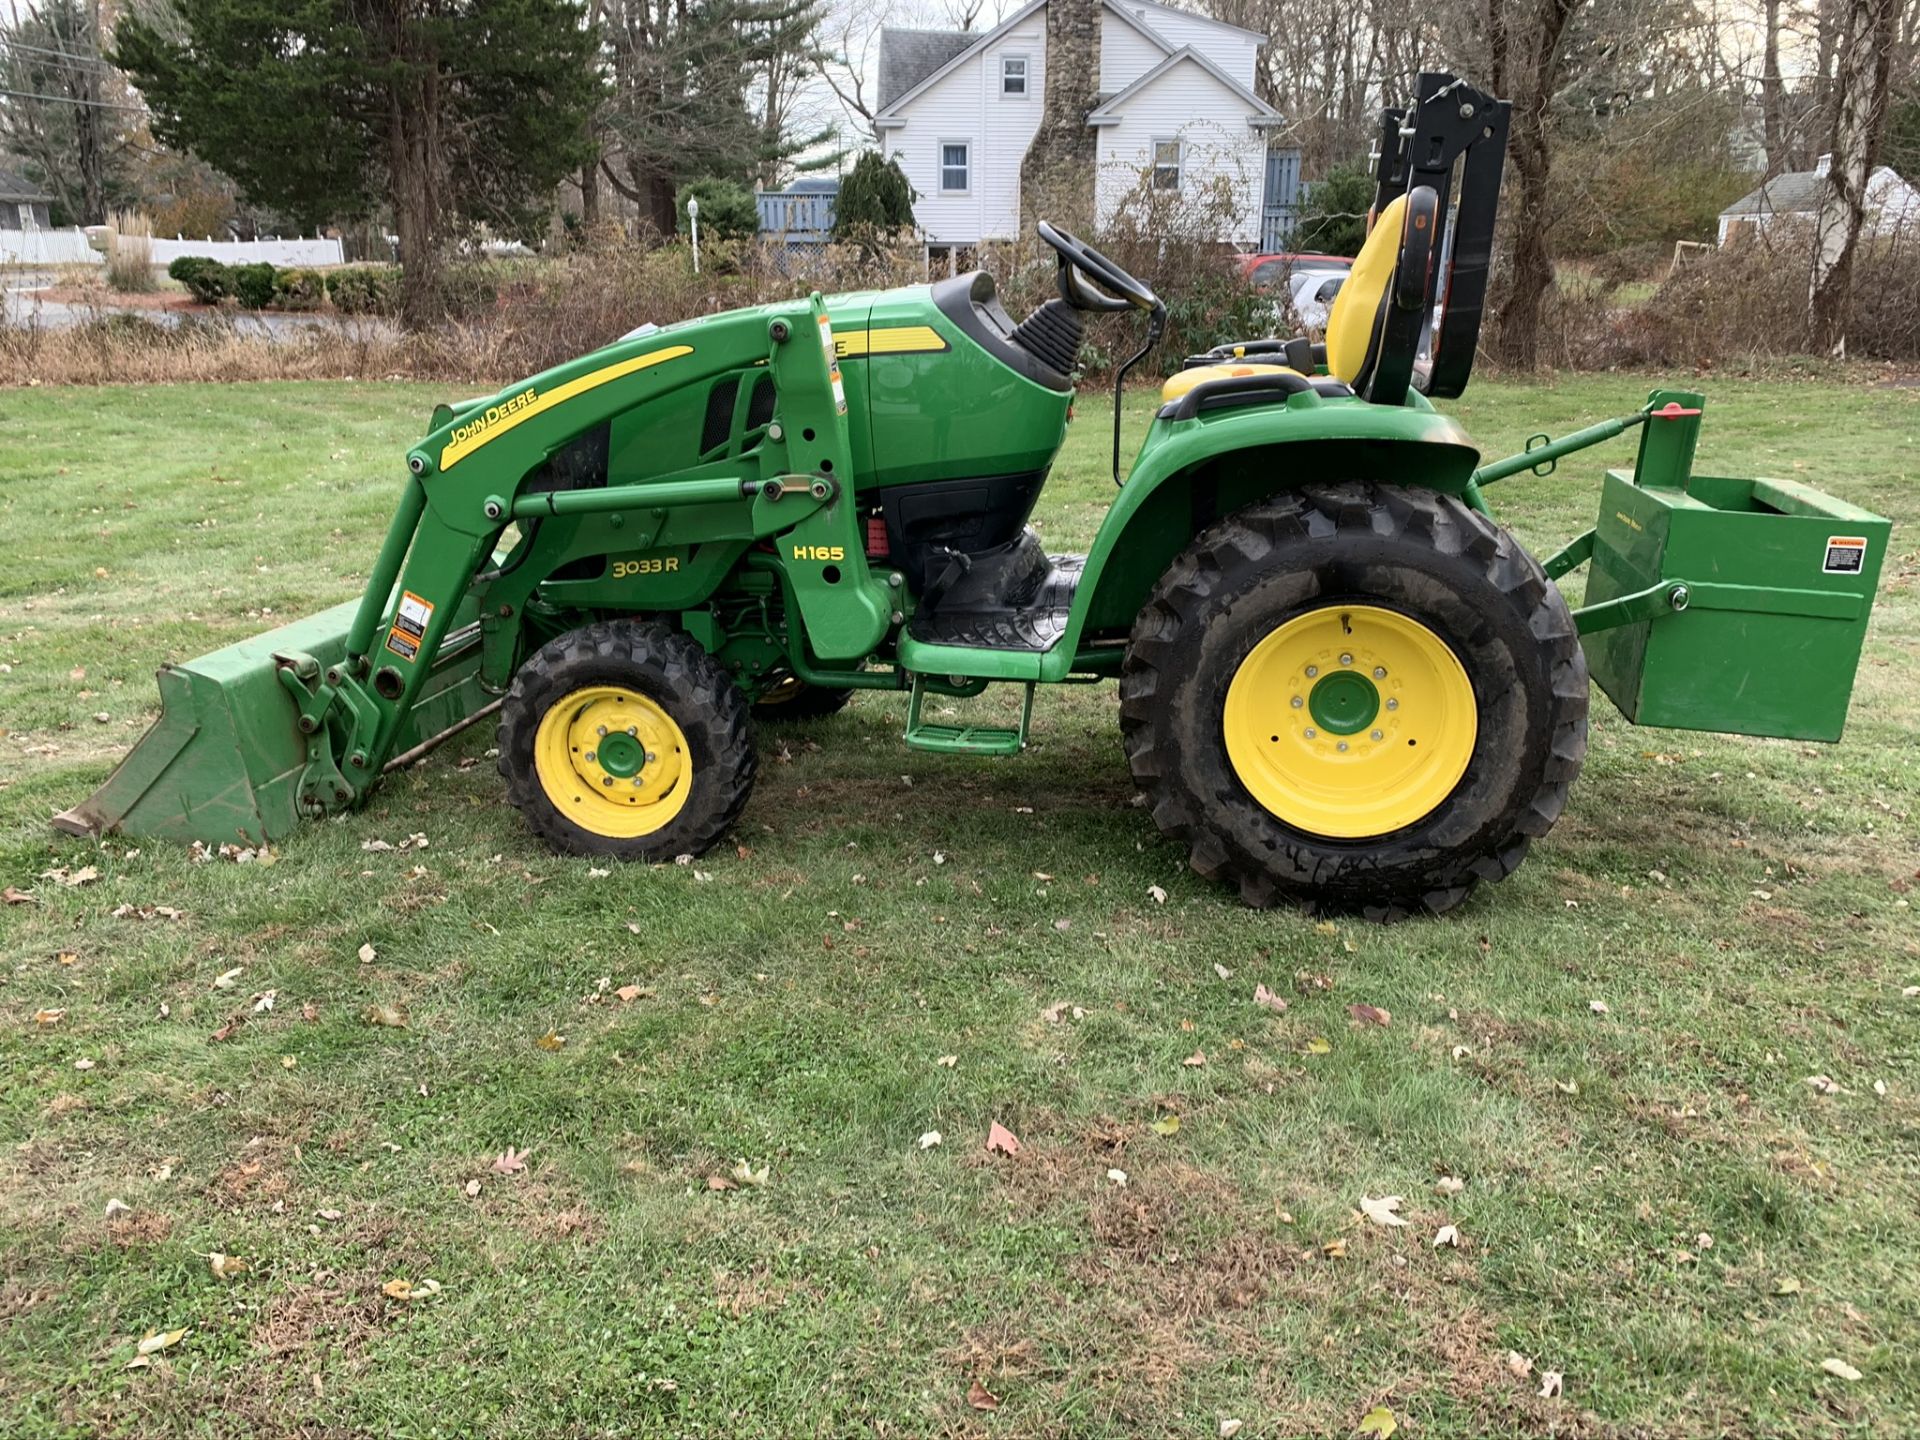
(1656, 1204)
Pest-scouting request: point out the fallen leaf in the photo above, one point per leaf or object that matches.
(1449, 1185)
(1825, 1085)
(947, 1062)
(1166, 1125)
(1230, 1428)
(329, 1214)
(1319, 1045)
(630, 992)
(551, 1041)
(1381, 1211)
(159, 1340)
(1518, 1365)
(744, 1173)
(83, 1063)
(1156, 894)
(386, 1015)
(1379, 1422)
(18, 897)
(1880, 1087)
(1834, 1366)
(226, 981)
(1463, 1052)
(510, 1161)
(1598, 1007)
(1118, 1177)
(409, 1290)
(48, 1017)
(930, 1139)
(981, 1398)
(1195, 1060)
(287, 1062)
(720, 1182)
(1054, 1011)
(1550, 1381)
(1326, 927)
(1567, 1087)
(263, 1002)
(1446, 1235)
(85, 875)
(1786, 1285)
(1267, 1000)
(1002, 1139)
(117, 1206)
(1222, 971)
(225, 1267)
(1370, 1015)
(472, 1188)
(1335, 1249)
(367, 952)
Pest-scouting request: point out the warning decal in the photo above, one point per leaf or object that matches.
(410, 623)
(1846, 555)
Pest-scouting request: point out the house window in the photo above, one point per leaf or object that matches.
(956, 167)
(1013, 77)
(1166, 164)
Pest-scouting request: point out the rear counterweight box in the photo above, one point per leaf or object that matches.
(1779, 581)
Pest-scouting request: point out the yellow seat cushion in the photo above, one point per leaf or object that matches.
(1355, 318)
(1180, 383)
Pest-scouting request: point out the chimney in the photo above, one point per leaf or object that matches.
(1057, 172)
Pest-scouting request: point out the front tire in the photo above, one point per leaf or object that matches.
(626, 739)
(1364, 698)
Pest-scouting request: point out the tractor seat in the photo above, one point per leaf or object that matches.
(1358, 319)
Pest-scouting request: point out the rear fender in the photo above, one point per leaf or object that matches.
(1191, 473)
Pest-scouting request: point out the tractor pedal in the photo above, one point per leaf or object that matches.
(965, 739)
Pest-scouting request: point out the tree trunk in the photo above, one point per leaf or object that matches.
(590, 192)
(1859, 119)
(413, 173)
(1773, 95)
(1524, 41)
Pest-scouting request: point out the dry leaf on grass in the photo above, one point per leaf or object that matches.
(1267, 1000)
(1379, 1423)
(743, 1173)
(1598, 1007)
(1550, 1384)
(1370, 1015)
(1786, 1285)
(367, 953)
(1381, 1211)
(1446, 1235)
(1156, 894)
(1195, 1060)
(1825, 1085)
(947, 1062)
(930, 1139)
(1518, 1365)
(1002, 1139)
(1166, 1125)
(225, 1267)
(1567, 1087)
(630, 992)
(159, 1340)
(1835, 1366)
(410, 1290)
(551, 1041)
(48, 1017)
(510, 1161)
(1319, 1045)
(720, 1182)
(228, 980)
(1230, 1428)
(1335, 1249)
(1449, 1185)
(18, 897)
(1118, 1177)
(981, 1398)
(387, 1016)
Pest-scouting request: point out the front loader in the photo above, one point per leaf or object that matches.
(1342, 682)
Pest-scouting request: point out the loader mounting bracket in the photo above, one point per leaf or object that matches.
(322, 699)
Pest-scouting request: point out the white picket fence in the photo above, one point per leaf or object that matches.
(70, 247)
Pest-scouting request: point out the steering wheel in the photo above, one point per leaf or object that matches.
(1078, 258)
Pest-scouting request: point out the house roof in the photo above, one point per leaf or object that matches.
(16, 187)
(1149, 6)
(1257, 109)
(1796, 193)
(909, 56)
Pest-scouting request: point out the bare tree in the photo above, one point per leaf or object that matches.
(1863, 59)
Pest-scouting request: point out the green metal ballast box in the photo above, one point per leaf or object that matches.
(1756, 595)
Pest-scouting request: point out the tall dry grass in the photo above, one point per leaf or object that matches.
(130, 253)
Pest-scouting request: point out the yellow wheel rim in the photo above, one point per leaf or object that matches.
(1350, 722)
(613, 761)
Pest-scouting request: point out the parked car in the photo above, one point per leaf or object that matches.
(1270, 270)
(1312, 291)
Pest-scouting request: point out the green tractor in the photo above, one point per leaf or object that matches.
(1342, 682)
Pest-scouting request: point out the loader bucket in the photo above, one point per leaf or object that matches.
(223, 763)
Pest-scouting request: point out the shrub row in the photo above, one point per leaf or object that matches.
(354, 290)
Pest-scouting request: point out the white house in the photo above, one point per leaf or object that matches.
(1892, 203)
(1174, 105)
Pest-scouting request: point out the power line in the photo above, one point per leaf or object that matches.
(68, 55)
(69, 100)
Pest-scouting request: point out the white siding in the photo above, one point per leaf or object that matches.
(966, 104)
(1125, 54)
(1211, 122)
(1230, 49)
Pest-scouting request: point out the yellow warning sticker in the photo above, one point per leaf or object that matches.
(410, 623)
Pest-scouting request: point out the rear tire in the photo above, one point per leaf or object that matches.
(793, 699)
(1335, 806)
(626, 739)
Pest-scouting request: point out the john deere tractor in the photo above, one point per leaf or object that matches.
(1342, 682)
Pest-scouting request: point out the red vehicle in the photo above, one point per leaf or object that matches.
(1271, 269)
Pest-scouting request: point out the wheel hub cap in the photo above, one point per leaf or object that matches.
(1350, 722)
(613, 761)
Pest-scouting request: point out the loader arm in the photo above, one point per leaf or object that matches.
(302, 722)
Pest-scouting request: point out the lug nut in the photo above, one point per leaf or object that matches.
(1346, 659)
(651, 757)
(633, 730)
(591, 757)
(1312, 670)
(1379, 672)
(601, 731)
(608, 781)
(1297, 702)
(1308, 732)
(1377, 735)
(1393, 704)
(1341, 747)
